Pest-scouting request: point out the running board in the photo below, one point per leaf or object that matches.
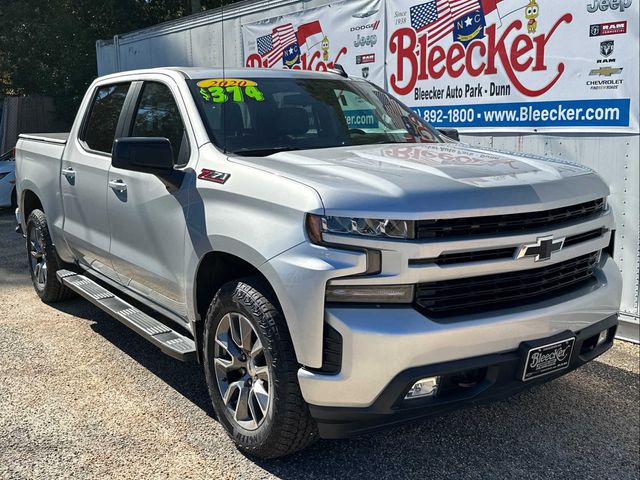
(169, 341)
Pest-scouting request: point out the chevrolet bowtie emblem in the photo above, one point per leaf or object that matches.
(542, 249)
(606, 71)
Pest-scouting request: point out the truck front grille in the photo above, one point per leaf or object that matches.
(498, 253)
(510, 223)
(498, 291)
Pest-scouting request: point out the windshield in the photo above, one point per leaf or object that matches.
(262, 116)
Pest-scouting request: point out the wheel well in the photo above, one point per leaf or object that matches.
(30, 202)
(216, 269)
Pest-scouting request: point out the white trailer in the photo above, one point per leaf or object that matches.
(214, 38)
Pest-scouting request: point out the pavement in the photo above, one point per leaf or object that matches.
(81, 396)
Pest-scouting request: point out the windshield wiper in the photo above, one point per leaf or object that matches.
(382, 142)
(263, 152)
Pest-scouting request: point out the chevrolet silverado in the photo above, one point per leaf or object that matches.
(335, 263)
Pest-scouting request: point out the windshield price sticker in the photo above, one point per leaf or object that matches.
(222, 90)
(226, 82)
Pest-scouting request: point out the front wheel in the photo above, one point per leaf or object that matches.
(251, 372)
(43, 260)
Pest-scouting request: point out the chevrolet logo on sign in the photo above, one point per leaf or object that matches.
(541, 250)
(606, 71)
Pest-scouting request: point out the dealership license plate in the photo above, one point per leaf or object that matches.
(546, 359)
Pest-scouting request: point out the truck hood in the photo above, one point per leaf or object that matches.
(429, 180)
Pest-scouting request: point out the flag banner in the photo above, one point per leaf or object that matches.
(350, 33)
(516, 65)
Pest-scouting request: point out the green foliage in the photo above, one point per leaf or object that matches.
(47, 47)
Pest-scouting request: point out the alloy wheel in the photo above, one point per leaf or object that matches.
(38, 257)
(242, 372)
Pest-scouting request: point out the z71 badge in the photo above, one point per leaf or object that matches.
(213, 176)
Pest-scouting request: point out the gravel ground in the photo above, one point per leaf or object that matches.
(81, 396)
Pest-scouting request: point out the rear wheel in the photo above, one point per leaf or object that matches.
(43, 260)
(251, 372)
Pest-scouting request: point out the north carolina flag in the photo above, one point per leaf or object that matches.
(447, 12)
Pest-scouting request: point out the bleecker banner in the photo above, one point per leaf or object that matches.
(514, 65)
(350, 33)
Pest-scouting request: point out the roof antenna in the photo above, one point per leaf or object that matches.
(339, 69)
(224, 105)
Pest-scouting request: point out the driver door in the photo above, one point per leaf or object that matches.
(147, 221)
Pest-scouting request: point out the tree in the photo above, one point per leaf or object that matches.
(47, 47)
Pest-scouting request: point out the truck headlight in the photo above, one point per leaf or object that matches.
(366, 227)
(369, 293)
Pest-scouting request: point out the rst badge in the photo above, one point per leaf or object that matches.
(541, 250)
(213, 176)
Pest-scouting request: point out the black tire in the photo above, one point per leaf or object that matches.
(14, 198)
(287, 425)
(50, 290)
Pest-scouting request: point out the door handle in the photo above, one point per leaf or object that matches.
(69, 172)
(118, 185)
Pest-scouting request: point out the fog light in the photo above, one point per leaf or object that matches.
(602, 338)
(425, 387)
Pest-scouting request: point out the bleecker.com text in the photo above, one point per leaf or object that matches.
(416, 61)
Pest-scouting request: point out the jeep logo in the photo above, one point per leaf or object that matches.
(604, 5)
(368, 40)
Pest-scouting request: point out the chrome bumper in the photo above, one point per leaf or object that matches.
(379, 343)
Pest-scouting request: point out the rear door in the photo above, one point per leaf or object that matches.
(85, 167)
(147, 221)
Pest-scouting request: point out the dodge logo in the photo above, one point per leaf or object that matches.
(542, 249)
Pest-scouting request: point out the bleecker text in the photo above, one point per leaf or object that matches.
(416, 61)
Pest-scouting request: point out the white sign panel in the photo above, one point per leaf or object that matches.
(517, 65)
(350, 33)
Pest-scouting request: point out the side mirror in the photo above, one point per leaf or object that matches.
(452, 133)
(141, 154)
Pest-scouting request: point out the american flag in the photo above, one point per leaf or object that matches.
(271, 47)
(265, 44)
(438, 16)
(423, 15)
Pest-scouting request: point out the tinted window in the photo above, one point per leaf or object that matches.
(262, 116)
(103, 117)
(158, 116)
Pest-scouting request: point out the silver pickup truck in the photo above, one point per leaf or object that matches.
(334, 263)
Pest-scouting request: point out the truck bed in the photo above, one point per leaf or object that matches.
(38, 165)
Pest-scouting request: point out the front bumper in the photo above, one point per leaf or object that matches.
(499, 379)
(380, 342)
